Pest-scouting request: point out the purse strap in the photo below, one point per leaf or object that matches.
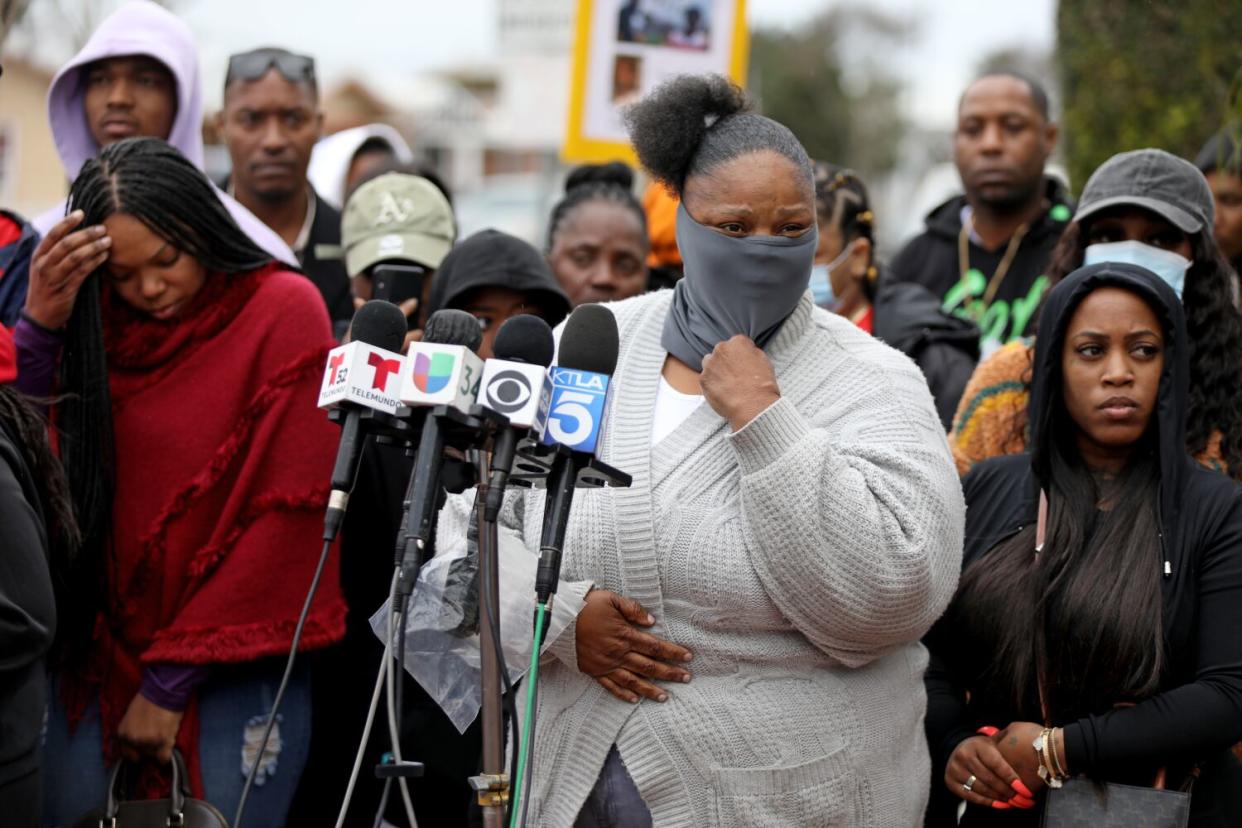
(176, 800)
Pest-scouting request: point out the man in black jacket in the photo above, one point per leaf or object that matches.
(270, 123)
(984, 253)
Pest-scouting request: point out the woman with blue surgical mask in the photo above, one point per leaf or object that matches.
(846, 279)
(844, 276)
(1155, 210)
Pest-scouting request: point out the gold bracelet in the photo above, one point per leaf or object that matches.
(1046, 770)
(1056, 757)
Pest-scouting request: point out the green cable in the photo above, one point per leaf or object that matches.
(524, 751)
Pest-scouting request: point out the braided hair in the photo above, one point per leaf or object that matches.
(150, 180)
(612, 183)
(841, 200)
(1214, 326)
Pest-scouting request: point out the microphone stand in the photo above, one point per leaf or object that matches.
(472, 434)
(577, 470)
(492, 786)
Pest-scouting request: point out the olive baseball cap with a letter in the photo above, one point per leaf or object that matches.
(396, 217)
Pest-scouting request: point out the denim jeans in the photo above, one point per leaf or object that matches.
(614, 802)
(233, 708)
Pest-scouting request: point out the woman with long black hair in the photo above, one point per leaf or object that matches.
(1144, 207)
(198, 467)
(1101, 595)
(39, 534)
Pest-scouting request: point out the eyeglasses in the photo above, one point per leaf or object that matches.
(252, 65)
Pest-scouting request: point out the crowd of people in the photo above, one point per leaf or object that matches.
(910, 541)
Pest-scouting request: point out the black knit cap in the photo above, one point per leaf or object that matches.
(491, 258)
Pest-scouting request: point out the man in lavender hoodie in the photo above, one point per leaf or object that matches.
(137, 75)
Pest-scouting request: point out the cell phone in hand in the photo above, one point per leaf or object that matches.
(398, 282)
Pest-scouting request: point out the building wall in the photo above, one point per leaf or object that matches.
(31, 176)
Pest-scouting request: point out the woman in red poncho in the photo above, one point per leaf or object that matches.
(198, 466)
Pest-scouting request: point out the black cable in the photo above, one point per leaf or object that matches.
(284, 683)
(398, 692)
(372, 710)
(397, 619)
(399, 678)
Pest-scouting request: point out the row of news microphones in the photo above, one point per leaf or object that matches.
(538, 421)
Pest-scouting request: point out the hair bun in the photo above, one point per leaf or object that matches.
(614, 172)
(668, 125)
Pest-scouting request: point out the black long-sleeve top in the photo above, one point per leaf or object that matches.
(1196, 715)
(27, 614)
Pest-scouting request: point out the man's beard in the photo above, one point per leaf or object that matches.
(276, 195)
(1011, 200)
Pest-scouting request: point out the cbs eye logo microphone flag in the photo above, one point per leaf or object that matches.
(571, 409)
(362, 374)
(513, 389)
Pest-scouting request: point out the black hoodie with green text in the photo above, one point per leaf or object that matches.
(931, 260)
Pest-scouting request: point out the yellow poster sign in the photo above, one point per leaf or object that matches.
(625, 48)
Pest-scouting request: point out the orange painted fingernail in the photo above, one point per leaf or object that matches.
(988, 730)
(1022, 802)
(1022, 789)
(1000, 806)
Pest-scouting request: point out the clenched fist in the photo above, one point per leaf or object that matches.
(738, 381)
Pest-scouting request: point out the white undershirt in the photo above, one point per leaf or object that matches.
(672, 408)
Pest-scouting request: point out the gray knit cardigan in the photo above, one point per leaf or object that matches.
(800, 559)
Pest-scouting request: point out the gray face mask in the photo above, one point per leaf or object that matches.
(733, 286)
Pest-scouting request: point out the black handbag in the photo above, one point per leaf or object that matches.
(1081, 803)
(179, 810)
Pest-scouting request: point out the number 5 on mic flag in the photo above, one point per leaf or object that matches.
(571, 409)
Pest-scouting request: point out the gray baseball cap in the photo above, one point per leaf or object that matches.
(396, 217)
(1170, 187)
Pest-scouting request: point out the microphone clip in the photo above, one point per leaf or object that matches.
(388, 429)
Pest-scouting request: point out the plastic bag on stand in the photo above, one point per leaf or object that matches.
(443, 617)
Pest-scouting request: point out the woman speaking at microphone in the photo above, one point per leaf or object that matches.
(747, 647)
(198, 467)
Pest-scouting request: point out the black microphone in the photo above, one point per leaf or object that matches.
(461, 330)
(588, 352)
(512, 383)
(378, 332)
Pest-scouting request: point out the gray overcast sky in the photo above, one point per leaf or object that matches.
(365, 36)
